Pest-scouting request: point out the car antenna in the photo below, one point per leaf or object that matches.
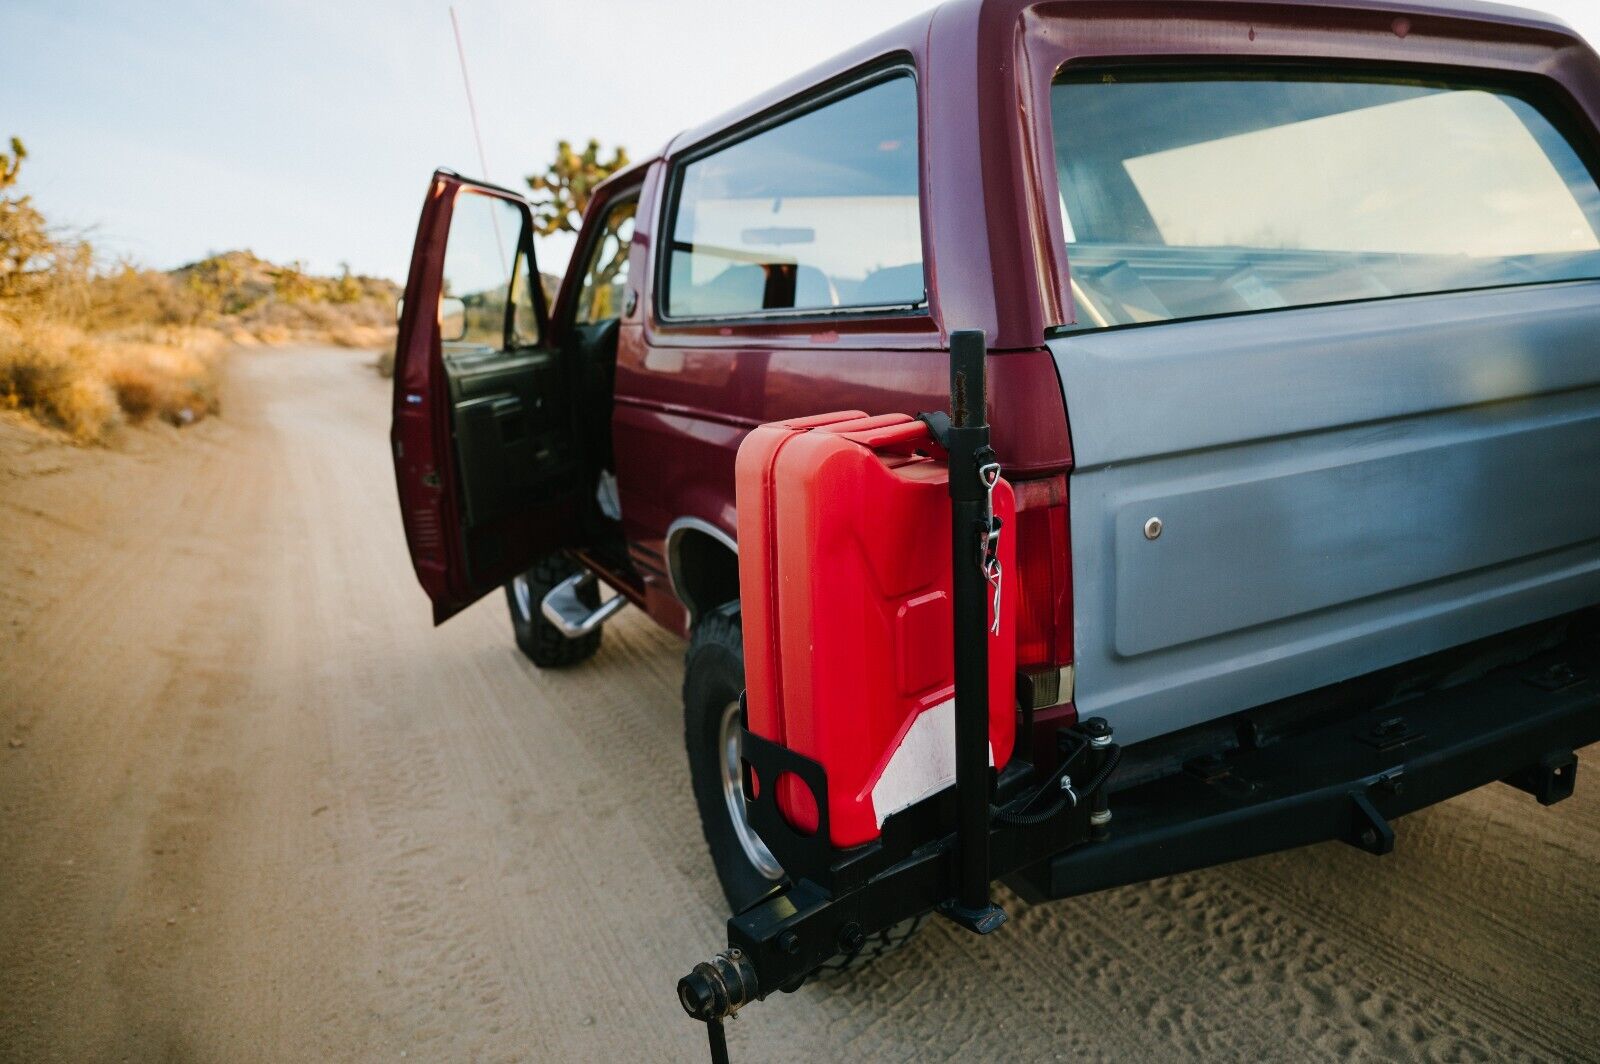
(477, 134)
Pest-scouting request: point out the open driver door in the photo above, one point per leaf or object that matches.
(483, 439)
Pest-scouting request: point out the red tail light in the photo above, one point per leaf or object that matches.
(1044, 610)
(1044, 575)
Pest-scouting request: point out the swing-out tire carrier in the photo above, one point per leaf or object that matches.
(1345, 779)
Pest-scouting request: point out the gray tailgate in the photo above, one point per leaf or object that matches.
(1340, 489)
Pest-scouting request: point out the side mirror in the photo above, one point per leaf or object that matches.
(452, 319)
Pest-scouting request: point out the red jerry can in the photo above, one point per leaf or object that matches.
(844, 580)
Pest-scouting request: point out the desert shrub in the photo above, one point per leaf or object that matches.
(51, 371)
(171, 375)
(127, 297)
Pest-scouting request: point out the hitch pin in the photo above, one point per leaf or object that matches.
(989, 538)
(992, 573)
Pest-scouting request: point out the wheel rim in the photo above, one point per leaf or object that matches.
(755, 851)
(524, 596)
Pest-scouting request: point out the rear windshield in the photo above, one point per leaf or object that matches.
(1191, 196)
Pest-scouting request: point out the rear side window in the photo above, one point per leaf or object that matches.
(817, 214)
(1191, 196)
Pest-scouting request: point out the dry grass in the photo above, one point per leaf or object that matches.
(90, 384)
(88, 352)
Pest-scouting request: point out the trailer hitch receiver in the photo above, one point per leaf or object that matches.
(716, 989)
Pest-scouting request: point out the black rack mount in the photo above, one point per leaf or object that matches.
(943, 853)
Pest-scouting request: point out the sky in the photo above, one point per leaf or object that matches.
(306, 129)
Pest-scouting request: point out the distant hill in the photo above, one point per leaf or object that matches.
(251, 298)
(251, 279)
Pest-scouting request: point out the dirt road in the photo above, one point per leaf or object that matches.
(253, 808)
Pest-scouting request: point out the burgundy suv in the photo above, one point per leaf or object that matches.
(1316, 284)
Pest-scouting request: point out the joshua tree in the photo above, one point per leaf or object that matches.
(27, 252)
(10, 164)
(562, 192)
(346, 289)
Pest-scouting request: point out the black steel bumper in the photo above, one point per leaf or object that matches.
(1347, 780)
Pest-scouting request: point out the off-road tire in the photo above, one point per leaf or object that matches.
(539, 640)
(713, 676)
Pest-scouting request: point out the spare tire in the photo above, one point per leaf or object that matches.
(713, 679)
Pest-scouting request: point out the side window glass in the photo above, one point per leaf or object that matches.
(487, 300)
(819, 213)
(605, 275)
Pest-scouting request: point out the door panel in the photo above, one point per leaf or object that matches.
(486, 462)
(1340, 489)
(513, 446)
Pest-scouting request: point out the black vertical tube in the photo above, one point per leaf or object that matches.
(719, 1040)
(969, 435)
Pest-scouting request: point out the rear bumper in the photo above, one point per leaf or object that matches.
(1347, 780)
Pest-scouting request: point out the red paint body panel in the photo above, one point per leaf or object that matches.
(845, 585)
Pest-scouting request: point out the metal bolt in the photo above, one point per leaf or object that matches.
(1152, 528)
(789, 942)
(1098, 730)
(851, 938)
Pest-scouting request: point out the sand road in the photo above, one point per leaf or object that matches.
(254, 808)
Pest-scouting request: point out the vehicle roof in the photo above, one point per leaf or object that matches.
(914, 35)
(981, 61)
